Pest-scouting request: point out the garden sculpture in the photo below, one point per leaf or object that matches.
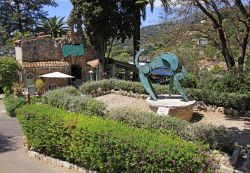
(170, 63)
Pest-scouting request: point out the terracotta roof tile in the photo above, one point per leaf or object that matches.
(45, 64)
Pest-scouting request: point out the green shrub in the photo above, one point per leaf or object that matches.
(69, 99)
(8, 71)
(116, 84)
(234, 100)
(69, 90)
(216, 137)
(237, 101)
(225, 81)
(108, 146)
(12, 104)
(6, 91)
(36, 100)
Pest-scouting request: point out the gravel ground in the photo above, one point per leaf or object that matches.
(239, 125)
(114, 101)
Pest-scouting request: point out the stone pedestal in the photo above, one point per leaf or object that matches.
(175, 106)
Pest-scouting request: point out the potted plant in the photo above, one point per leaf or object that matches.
(18, 89)
(39, 86)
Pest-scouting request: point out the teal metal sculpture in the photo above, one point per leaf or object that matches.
(171, 63)
(73, 50)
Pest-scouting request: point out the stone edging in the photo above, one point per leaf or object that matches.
(100, 92)
(222, 167)
(58, 162)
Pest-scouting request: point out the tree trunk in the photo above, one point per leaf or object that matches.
(137, 31)
(241, 58)
(19, 19)
(242, 48)
(225, 50)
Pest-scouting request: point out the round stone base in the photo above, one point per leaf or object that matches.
(175, 106)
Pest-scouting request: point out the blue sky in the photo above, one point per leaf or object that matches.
(64, 7)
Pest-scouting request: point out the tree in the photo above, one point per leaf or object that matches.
(8, 71)
(54, 25)
(230, 23)
(22, 15)
(104, 21)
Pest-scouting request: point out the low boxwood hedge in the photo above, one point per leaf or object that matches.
(69, 98)
(217, 137)
(13, 103)
(239, 101)
(116, 84)
(108, 146)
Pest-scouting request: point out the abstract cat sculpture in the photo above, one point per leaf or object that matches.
(170, 63)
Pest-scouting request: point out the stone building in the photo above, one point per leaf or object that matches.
(44, 54)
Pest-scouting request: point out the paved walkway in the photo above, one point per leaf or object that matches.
(13, 158)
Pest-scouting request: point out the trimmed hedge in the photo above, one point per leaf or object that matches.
(217, 137)
(12, 104)
(237, 101)
(108, 146)
(69, 98)
(108, 84)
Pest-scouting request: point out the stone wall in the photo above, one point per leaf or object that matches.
(47, 82)
(38, 49)
(46, 48)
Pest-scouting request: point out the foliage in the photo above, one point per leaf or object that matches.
(108, 146)
(226, 28)
(54, 25)
(90, 87)
(12, 104)
(68, 98)
(124, 56)
(39, 84)
(190, 82)
(22, 15)
(216, 137)
(17, 88)
(6, 91)
(36, 100)
(8, 71)
(19, 35)
(110, 20)
(238, 101)
(225, 81)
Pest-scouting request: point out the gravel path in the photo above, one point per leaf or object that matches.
(13, 158)
(239, 125)
(114, 101)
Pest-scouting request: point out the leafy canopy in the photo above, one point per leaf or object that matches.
(22, 15)
(54, 25)
(8, 71)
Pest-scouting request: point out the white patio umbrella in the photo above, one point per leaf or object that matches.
(56, 75)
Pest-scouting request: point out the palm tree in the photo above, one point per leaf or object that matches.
(54, 25)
